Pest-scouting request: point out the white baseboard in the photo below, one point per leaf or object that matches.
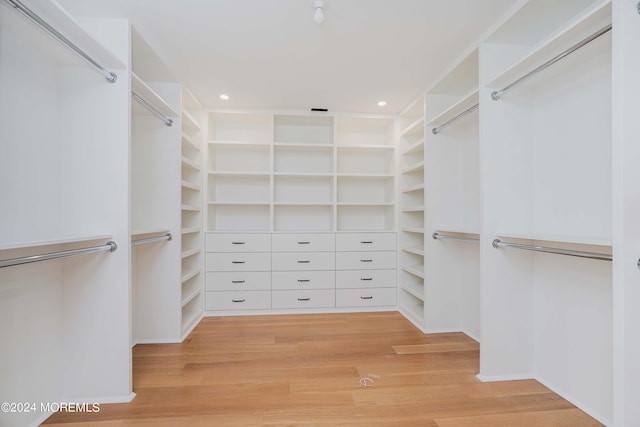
(494, 378)
(158, 341)
(442, 331)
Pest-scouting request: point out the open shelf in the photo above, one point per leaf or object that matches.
(554, 238)
(149, 95)
(463, 104)
(58, 241)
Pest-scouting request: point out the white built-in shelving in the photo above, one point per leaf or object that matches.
(300, 172)
(411, 185)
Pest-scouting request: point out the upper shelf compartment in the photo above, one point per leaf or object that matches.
(316, 130)
(593, 18)
(143, 90)
(51, 14)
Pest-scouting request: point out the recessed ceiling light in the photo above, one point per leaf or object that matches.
(224, 97)
(382, 103)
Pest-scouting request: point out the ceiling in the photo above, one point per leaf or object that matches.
(272, 55)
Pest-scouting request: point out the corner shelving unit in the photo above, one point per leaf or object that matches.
(191, 277)
(411, 257)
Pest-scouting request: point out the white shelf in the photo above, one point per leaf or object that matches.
(591, 21)
(302, 204)
(414, 313)
(190, 208)
(465, 103)
(300, 174)
(139, 233)
(555, 238)
(416, 230)
(365, 175)
(416, 290)
(365, 204)
(416, 270)
(190, 186)
(240, 143)
(416, 147)
(416, 187)
(59, 241)
(238, 173)
(415, 251)
(190, 230)
(190, 164)
(223, 203)
(189, 140)
(363, 147)
(414, 128)
(410, 209)
(190, 275)
(187, 299)
(302, 145)
(413, 168)
(189, 122)
(191, 252)
(149, 95)
(189, 319)
(458, 230)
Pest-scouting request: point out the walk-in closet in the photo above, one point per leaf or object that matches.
(163, 176)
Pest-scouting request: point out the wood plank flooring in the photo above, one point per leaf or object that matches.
(306, 370)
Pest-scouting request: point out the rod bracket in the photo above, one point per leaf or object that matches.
(112, 78)
(170, 236)
(434, 236)
(496, 243)
(496, 94)
(113, 246)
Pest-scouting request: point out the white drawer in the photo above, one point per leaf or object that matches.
(303, 280)
(365, 260)
(215, 242)
(303, 242)
(372, 297)
(238, 300)
(366, 242)
(238, 281)
(238, 262)
(304, 299)
(365, 278)
(286, 261)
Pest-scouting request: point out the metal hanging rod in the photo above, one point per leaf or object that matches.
(447, 237)
(497, 94)
(167, 121)
(167, 236)
(448, 122)
(16, 4)
(497, 243)
(109, 246)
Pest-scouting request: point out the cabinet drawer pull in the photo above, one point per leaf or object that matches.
(366, 279)
(304, 299)
(237, 243)
(304, 280)
(366, 242)
(237, 281)
(366, 297)
(303, 261)
(237, 262)
(237, 300)
(304, 243)
(366, 260)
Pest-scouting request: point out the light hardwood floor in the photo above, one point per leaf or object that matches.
(306, 370)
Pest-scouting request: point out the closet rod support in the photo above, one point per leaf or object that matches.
(497, 243)
(167, 121)
(109, 246)
(138, 242)
(497, 94)
(437, 236)
(110, 76)
(448, 122)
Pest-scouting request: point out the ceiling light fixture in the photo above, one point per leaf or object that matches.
(318, 11)
(382, 103)
(224, 97)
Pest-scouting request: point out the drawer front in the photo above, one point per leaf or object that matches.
(365, 279)
(238, 281)
(238, 300)
(372, 297)
(215, 242)
(366, 242)
(303, 242)
(365, 260)
(304, 299)
(303, 280)
(286, 261)
(238, 262)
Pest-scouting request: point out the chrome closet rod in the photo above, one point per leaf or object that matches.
(447, 237)
(16, 4)
(497, 243)
(167, 236)
(497, 94)
(167, 121)
(109, 246)
(448, 122)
